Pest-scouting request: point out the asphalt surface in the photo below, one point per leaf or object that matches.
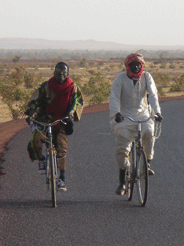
(90, 213)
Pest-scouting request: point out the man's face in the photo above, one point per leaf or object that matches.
(135, 67)
(60, 74)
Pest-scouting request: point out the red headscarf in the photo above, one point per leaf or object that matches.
(60, 102)
(134, 57)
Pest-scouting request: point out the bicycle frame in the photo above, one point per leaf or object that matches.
(49, 147)
(135, 175)
(51, 161)
(139, 128)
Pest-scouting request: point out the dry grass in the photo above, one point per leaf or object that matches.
(108, 68)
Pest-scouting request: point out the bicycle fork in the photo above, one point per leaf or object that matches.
(49, 147)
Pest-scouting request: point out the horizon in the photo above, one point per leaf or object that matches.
(89, 44)
(86, 40)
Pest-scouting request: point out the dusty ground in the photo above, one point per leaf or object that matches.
(10, 128)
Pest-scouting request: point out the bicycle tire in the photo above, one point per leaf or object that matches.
(53, 179)
(130, 173)
(142, 178)
(47, 169)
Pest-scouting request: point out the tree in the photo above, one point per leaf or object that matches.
(15, 59)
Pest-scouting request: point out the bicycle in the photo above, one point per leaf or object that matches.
(137, 172)
(52, 177)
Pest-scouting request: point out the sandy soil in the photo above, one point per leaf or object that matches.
(10, 128)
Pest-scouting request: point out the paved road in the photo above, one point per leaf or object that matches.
(90, 213)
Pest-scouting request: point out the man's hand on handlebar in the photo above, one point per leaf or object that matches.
(30, 114)
(28, 120)
(71, 114)
(159, 117)
(119, 118)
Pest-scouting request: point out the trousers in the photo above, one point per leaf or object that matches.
(60, 142)
(126, 135)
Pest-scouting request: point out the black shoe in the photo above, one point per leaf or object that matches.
(121, 190)
(42, 167)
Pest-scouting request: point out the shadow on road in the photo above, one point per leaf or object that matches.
(117, 204)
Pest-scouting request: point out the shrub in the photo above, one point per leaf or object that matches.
(14, 94)
(152, 65)
(82, 62)
(92, 72)
(15, 59)
(161, 92)
(97, 88)
(161, 79)
(178, 84)
(1, 69)
(29, 80)
(76, 79)
(101, 93)
(176, 87)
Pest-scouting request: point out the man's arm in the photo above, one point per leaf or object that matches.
(76, 104)
(153, 93)
(34, 101)
(115, 95)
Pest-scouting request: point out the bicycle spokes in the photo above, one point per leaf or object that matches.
(142, 179)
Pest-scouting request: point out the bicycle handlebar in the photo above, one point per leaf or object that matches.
(157, 132)
(140, 121)
(50, 124)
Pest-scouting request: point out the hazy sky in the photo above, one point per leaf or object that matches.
(143, 22)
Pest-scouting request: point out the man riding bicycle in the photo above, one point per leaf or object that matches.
(129, 96)
(54, 99)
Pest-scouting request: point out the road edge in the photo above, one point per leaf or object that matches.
(8, 129)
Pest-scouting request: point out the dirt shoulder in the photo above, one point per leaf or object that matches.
(10, 128)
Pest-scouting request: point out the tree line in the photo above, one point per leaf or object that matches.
(87, 54)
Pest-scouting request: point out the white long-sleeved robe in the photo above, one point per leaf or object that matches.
(131, 100)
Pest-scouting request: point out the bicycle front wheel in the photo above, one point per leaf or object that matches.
(53, 179)
(142, 178)
(130, 173)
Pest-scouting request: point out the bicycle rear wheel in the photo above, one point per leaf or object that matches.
(53, 179)
(130, 173)
(142, 178)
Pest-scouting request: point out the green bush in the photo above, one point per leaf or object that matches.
(97, 88)
(76, 79)
(161, 79)
(29, 80)
(178, 84)
(161, 92)
(15, 59)
(1, 69)
(176, 87)
(82, 63)
(101, 93)
(13, 91)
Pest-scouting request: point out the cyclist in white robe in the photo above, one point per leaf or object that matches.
(128, 97)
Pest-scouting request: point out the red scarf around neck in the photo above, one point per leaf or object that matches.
(60, 102)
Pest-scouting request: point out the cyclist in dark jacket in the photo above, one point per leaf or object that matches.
(54, 99)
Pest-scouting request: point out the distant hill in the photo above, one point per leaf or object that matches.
(25, 43)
